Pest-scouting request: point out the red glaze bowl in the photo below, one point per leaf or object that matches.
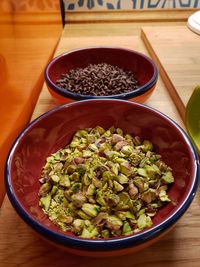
(54, 129)
(142, 66)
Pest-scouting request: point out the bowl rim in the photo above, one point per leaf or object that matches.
(75, 96)
(101, 244)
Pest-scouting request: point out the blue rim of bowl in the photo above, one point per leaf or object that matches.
(108, 244)
(68, 94)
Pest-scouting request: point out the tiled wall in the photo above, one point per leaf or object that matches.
(86, 5)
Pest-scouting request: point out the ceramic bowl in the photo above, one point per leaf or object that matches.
(54, 129)
(142, 66)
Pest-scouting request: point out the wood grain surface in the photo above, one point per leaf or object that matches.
(20, 247)
(25, 48)
(176, 50)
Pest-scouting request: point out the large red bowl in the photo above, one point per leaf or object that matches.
(54, 130)
(142, 66)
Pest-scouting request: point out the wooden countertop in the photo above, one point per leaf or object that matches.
(19, 246)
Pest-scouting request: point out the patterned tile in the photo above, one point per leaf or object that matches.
(184, 3)
(85, 5)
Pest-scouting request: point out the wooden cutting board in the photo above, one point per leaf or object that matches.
(176, 51)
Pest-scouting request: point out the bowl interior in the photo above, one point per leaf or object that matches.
(55, 129)
(129, 60)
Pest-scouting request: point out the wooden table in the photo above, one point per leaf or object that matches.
(180, 248)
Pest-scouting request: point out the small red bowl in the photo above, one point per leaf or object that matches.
(54, 130)
(142, 66)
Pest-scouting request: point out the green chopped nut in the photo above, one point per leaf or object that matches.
(44, 189)
(90, 209)
(76, 187)
(144, 221)
(45, 202)
(118, 187)
(113, 222)
(90, 190)
(105, 233)
(125, 168)
(163, 196)
(147, 146)
(167, 178)
(149, 195)
(83, 215)
(126, 230)
(142, 172)
(53, 190)
(78, 199)
(89, 234)
(100, 198)
(78, 225)
(122, 179)
(55, 178)
(64, 181)
(127, 150)
(104, 184)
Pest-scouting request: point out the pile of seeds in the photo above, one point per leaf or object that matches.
(98, 80)
(104, 183)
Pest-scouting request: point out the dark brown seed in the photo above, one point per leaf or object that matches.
(98, 80)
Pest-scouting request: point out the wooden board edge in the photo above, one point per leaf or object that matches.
(128, 16)
(168, 83)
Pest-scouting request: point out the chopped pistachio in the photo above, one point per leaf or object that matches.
(100, 130)
(78, 199)
(78, 225)
(105, 233)
(163, 196)
(90, 190)
(113, 222)
(83, 215)
(81, 169)
(122, 179)
(89, 234)
(167, 177)
(127, 230)
(118, 187)
(55, 178)
(113, 199)
(120, 145)
(142, 172)
(139, 183)
(90, 209)
(116, 138)
(76, 187)
(149, 195)
(104, 184)
(127, 150)
(45, 202)
(44, 189)
(53, 190)
(124, 197)
(144, 221)
(75, 176)
(125, 168)
(147, 146)
(64, 181)
(100, 198)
